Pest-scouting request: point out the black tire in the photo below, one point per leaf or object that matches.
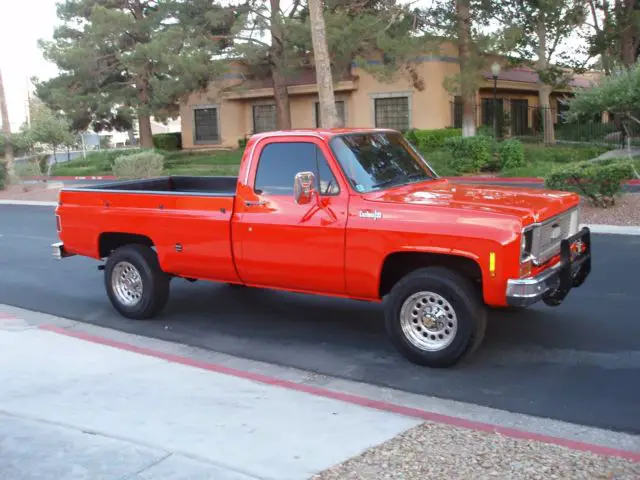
(463, 297)
(155, 283)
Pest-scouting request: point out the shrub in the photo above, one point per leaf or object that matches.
(242, 143)
(470, 154)
(511, 154)
(168, 141)
(140, 165)
(432, 139)
(599, 182)
(441, 161)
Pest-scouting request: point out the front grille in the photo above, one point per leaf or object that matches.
(548, 236)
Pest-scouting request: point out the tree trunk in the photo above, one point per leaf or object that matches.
(276, 54)
(467, 90)
(324, 79)
(544, 91)
(144, 125)
(6, 131)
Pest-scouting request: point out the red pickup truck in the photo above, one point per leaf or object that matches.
(354, 213)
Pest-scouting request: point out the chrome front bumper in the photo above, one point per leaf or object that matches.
(59, 251)
(554, 284)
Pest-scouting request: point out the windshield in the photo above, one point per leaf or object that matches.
(376, 160)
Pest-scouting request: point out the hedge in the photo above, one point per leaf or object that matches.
(432, 139)
(168, 141)
(470, 154)
(511, 154)
(144, 164)
(600, 182)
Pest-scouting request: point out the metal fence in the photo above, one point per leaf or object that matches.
(516, 119)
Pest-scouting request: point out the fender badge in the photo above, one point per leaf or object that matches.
(375, 215)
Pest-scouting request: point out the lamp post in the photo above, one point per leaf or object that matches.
(495, 72)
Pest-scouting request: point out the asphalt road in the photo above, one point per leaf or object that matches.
(579, 362)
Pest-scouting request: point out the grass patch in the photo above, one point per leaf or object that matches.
(182, 162)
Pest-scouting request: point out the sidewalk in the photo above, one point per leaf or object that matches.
(83, 402)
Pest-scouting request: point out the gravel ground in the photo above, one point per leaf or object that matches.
(434, 451)
(626, 212)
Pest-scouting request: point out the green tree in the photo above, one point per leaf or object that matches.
(618, 93)
(126, 59)
(615, 34)
(48, 127)
(542, 27)
(465, 24)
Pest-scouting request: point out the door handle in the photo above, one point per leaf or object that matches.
(258, 203)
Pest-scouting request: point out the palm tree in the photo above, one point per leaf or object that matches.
(324, 79)
(6, 131)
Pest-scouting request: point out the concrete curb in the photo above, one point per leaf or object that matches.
(32, 203)
(613, 229)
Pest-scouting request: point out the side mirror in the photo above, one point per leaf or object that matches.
(304, 187)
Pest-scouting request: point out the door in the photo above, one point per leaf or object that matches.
(519, 117)
(279, 243)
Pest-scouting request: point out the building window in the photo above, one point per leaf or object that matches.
(206, 126)
(264, 118)
(339, 108)
(392, 112)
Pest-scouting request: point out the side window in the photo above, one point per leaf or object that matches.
(280, 162)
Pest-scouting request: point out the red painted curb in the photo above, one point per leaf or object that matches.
(353, 399)
(86, 177)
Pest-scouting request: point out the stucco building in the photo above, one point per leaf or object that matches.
(236, 106)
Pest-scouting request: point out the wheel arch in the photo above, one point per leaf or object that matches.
(397, 265)
(110, 241)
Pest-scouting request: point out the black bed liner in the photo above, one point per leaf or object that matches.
(218, 186)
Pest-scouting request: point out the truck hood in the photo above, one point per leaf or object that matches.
(529, 204)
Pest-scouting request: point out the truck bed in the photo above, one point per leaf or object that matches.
(201, 186)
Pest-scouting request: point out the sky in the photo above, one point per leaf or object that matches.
(23, 23)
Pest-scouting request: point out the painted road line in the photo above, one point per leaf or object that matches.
(350, 398)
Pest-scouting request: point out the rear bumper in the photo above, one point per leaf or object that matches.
(554, 284)
(59, 251)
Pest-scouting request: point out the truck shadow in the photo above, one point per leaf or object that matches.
(279, 317)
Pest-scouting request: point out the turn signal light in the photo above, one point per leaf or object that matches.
(525, 269)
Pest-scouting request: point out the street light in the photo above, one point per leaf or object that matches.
(495, 72)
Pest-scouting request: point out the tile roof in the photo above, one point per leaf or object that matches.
(528, 75)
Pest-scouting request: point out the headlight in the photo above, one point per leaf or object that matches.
(525, 244)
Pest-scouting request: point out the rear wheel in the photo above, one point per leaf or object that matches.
(136, 285)
(435, 317)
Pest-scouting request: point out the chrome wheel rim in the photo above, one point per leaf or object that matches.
(428, 321)
(126, 283)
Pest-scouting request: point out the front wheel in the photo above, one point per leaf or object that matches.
(136, 285)
(435, 317)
